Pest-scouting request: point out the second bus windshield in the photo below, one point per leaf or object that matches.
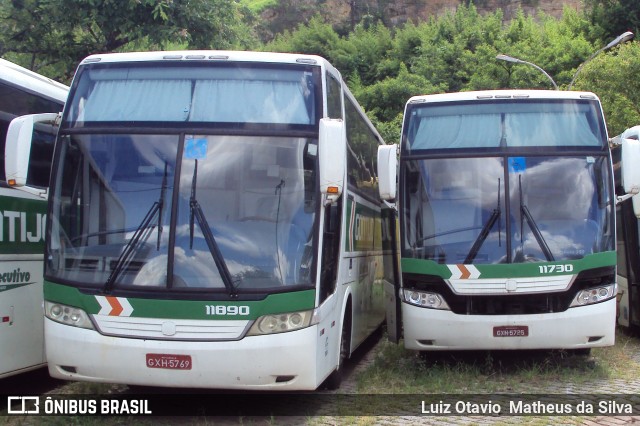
(505, 181)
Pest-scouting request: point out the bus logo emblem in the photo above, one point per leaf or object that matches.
(463, 272)
(114, 306)
(168, 328)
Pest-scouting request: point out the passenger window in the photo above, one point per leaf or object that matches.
(334, 97)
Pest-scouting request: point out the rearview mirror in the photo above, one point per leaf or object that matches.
(630, 164)
(18, 149)
(332, 150)
(387, 166)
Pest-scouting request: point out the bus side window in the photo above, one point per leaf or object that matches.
(334, 97)
(14, 103)
(330, 250)
(362, 151)
(40, 157)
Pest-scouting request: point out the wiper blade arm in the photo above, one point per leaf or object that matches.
(216, 254)
(141, 233)
(482, 236)
(439, 234)
(537, 234)
(475, 249)
(534, 227)
(163, 192)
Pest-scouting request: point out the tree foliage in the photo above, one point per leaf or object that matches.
(610, 76)
(58, 34)
(383, 66)
(613, 17)
(455, 52)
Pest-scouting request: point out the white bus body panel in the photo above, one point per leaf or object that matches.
(252, 363)
(624, 309)
(448, 331)
(21, 329)
(21, 315)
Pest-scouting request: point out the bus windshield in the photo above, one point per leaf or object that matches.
(227, 213)
(461, 210)
(506, 123)
(194, 93)
(489, 201)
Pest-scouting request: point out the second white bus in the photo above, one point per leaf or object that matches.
(22, 220)
(507, 221)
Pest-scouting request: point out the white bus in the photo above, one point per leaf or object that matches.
(507, 221)
(22, 221)
(214, 222)
(628, 229)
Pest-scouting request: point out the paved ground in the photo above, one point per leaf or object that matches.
(623, 391)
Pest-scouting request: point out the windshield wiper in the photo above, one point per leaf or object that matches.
(533, 226)
(485, 231)
(163, 192)
(141, 234)
(439, 234)
(198, 214)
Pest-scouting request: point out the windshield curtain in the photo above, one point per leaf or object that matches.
(462, 210)
(196, 93)
(114, 194)
(506, 123)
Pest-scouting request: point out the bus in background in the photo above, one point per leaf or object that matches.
(628, 231)
(22, 219)
(214, 222)
(506, 212)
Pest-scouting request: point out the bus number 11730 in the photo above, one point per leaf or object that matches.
(550, 269)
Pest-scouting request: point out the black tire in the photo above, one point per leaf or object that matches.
(334, 380)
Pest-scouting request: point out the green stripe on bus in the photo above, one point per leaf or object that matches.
(22, 225)
(7, 287)
(364, 228)
(185, 309)
(513, 270)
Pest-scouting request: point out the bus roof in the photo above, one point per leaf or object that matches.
(208, 55)
(22, 78)
(500, 95)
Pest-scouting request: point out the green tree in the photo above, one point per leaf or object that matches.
(447, 55)
(364, 50)
(556, 45)
(314, 38)
(612, 76)
(54, 35)
(613, 17)
(386, 99)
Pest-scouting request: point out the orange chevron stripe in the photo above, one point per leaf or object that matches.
(117, 307)
(465, 272)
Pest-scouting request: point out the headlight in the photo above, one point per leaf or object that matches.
(425, 299)
(281, 323)
(67, 315)
(594, 295)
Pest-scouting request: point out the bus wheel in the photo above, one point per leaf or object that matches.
(335, 379)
